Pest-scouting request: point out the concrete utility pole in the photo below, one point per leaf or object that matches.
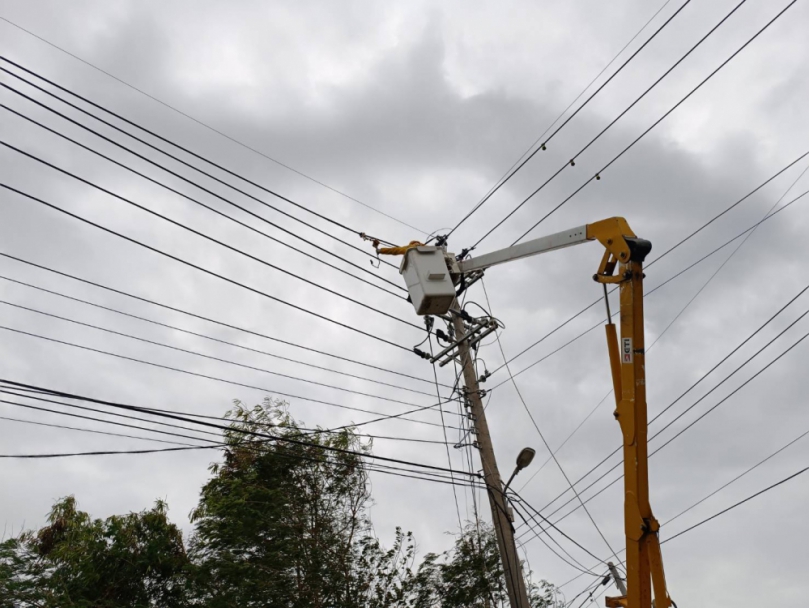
(517, 594)
(616, 576)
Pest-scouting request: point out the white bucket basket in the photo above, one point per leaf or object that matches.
(428, 280)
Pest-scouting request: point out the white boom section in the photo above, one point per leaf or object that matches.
(560, 240)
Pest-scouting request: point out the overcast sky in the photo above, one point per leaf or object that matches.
(416, 109)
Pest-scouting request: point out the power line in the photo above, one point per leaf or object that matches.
(209, 319)
(157, 412)
(444, 430)
(724, 511)
(225, 215)
(73, 428)
(571, 162)
(551, 525)
(519, 165)
(739, 476)
(365, 252)
(723, 400)
(108, 452)
(597, 175)
(375, 469)
(22, 393)
(310, 431)
(206, 376)
(204, 356)
(206, 271)
(205, 236)
(199, 122)
(371, 467)
(207, 337)
(542, 436)
(112, 422)
(164, 139)
(738, 504)
(189, 181)
(243, 431)
(572, 562)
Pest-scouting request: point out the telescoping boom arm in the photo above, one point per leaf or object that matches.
(625, 253)
(613, 233)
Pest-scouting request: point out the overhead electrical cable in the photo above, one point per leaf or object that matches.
(737, 504)
(210, 128)
(191, 182)
(395, 471)
(370, 466)
(108, 433)
(112, 422)
(177, 159)
(42, 397)
(571, 162)
(276, 438)
(597, 175)
(738, 477)
(37, 396)
(444, 430)
(208, 376)
(572, 562)
(106, 452)
(211, 338)
(203, 355)
(690, 425)
(519, 165)
(725, 510)
(215, 444)
(208, 272)
(550, 525)
(206, 237)
(211, 320)
(230, 172)
(542, 436)
(225, 215)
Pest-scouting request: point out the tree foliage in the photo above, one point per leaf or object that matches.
(135, 560)
(281, 524)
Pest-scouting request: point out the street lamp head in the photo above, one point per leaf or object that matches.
(525, 457)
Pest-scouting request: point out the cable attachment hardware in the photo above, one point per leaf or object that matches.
(475, 332)
(375, 242)
(441, 336)
(421, 353)
(481, 392)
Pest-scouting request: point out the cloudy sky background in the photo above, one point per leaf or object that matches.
(417, 109)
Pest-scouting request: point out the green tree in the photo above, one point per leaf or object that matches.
(136, 560)
(470, 575)
(283, 524)
(279, 523)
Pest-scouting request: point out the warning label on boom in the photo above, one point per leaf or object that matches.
(626, 350)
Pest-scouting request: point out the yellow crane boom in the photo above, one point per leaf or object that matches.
(432, 290)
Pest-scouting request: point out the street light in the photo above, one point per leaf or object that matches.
(524, 458)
